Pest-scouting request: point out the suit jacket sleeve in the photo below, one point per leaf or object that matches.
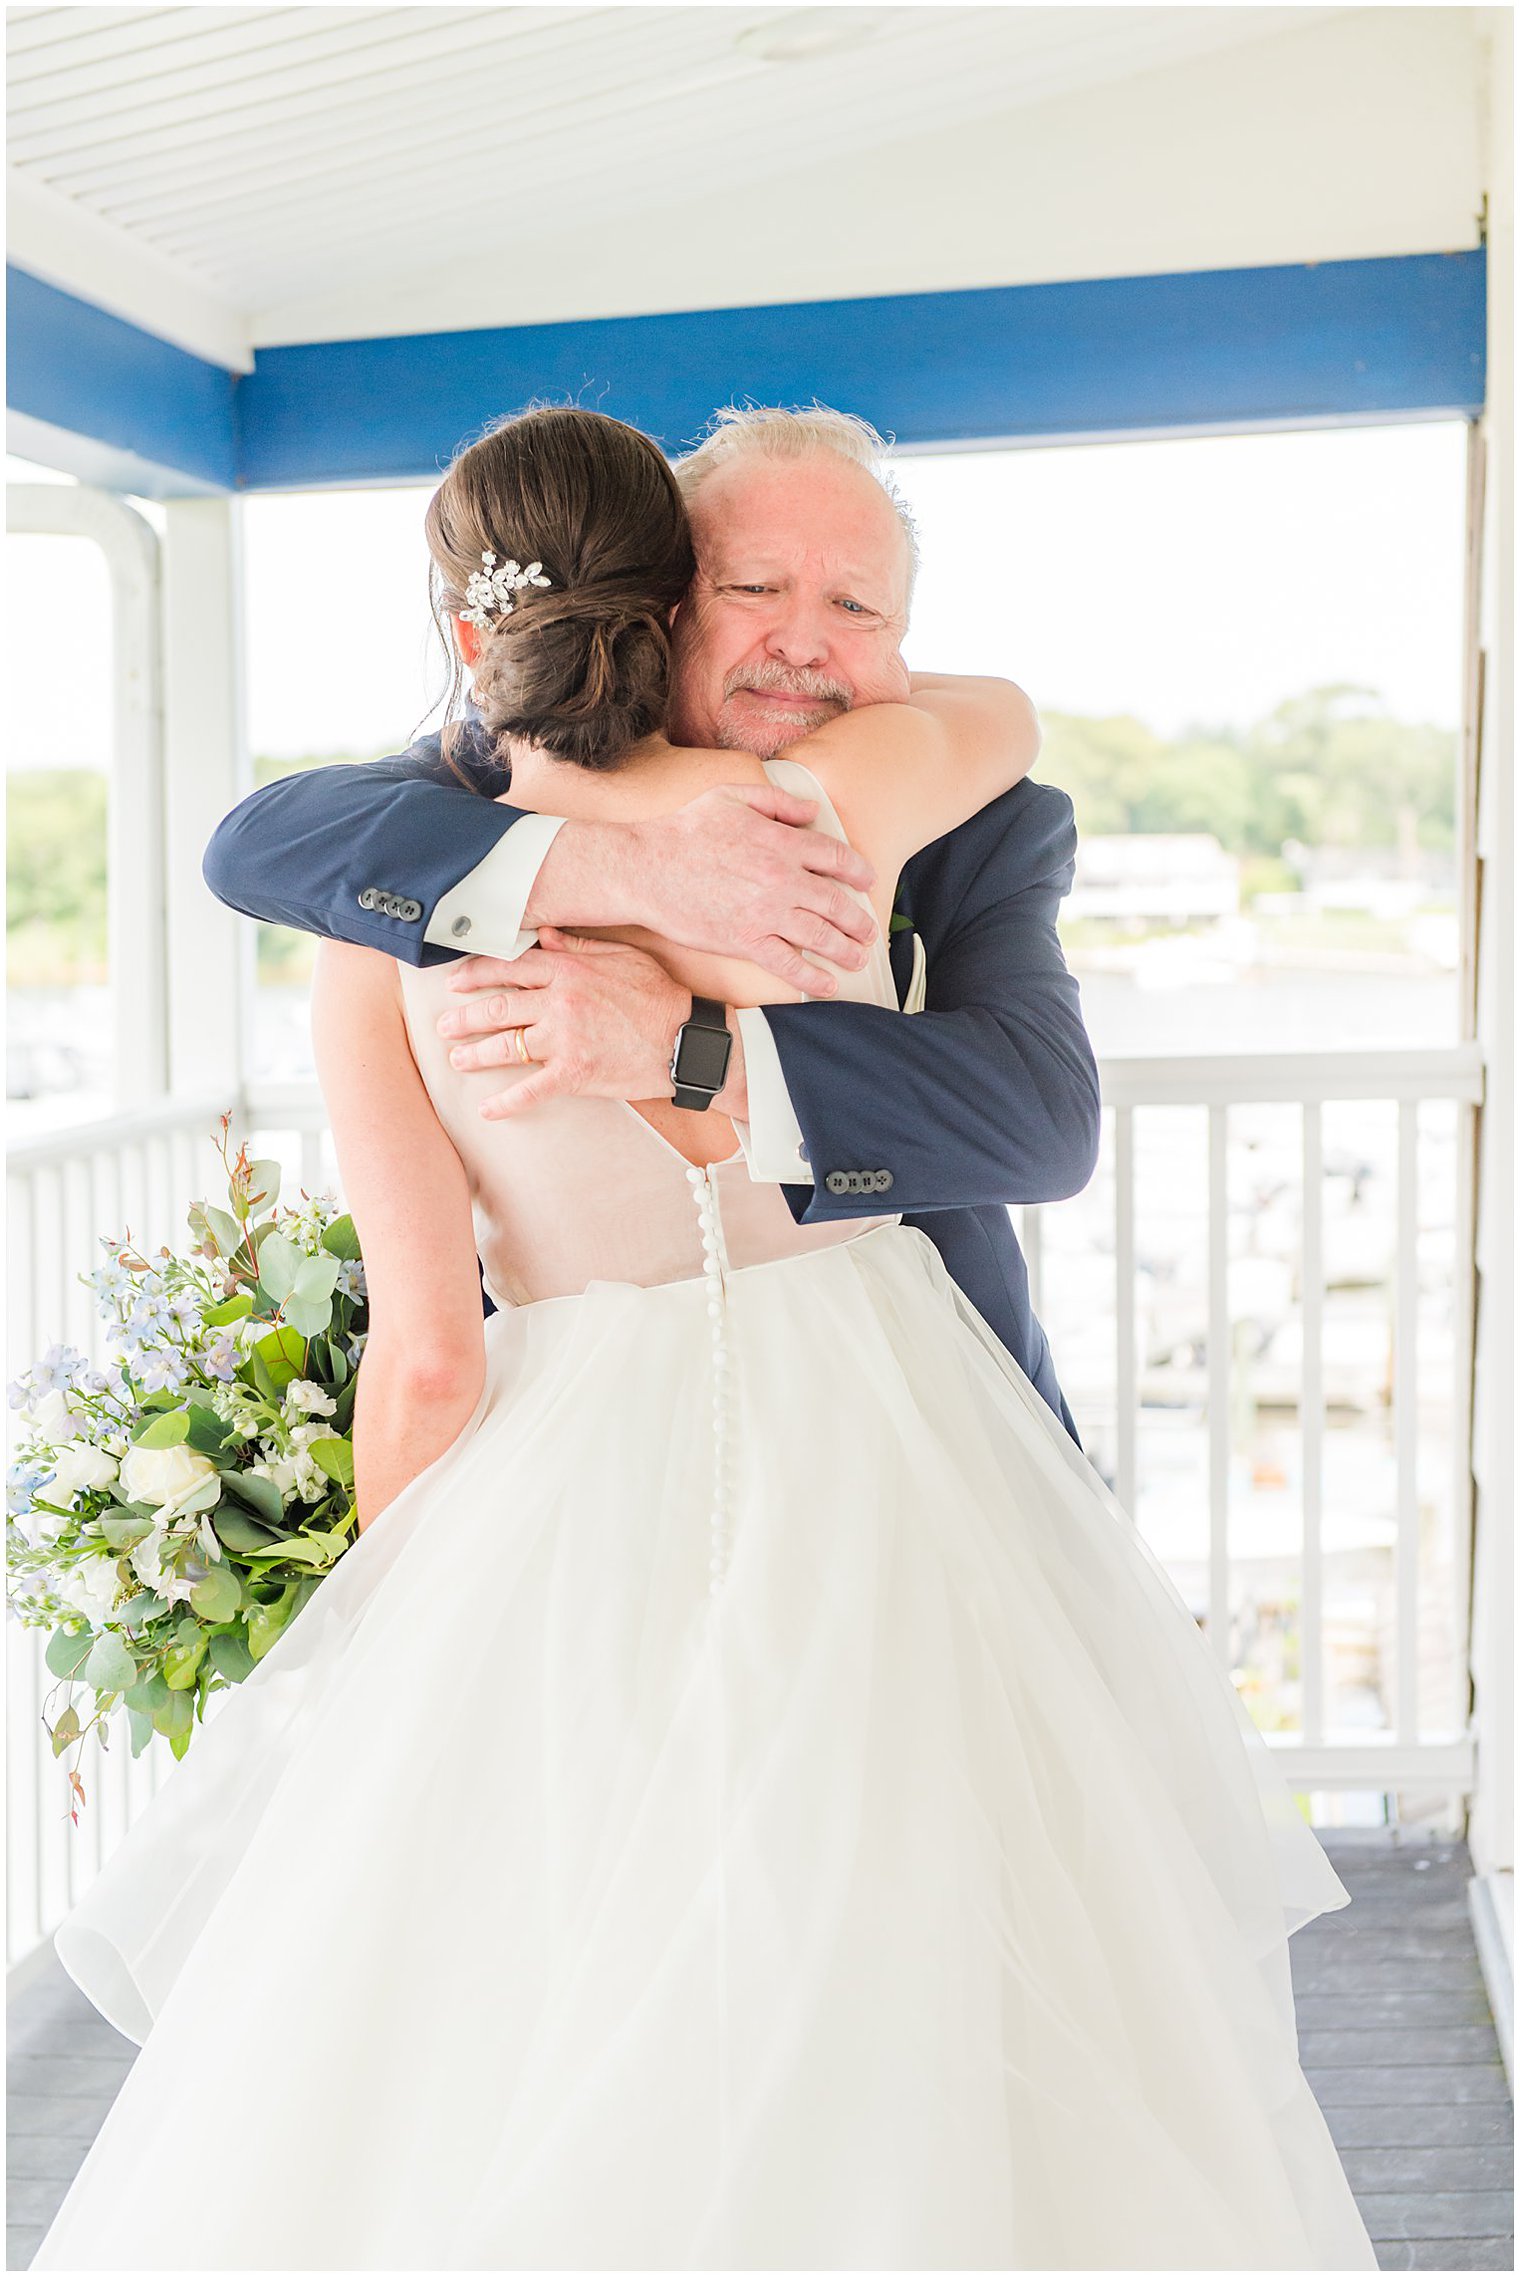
(300, 852)
(990, 1094)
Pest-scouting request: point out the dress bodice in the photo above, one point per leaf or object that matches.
(583, 1189)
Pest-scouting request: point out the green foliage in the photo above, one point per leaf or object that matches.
(55, 877)
(1325, 768)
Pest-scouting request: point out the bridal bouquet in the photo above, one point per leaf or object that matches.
(171, 1512)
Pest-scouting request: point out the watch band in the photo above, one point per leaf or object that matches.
(699, 1063)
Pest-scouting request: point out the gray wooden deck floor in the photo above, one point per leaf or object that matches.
(1394, 2033)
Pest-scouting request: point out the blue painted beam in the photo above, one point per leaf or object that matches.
(72, 366)
(1329, 341)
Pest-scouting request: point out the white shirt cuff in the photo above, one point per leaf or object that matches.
(483, 914)
(772, 1138)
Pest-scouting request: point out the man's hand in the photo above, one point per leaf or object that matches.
(733, 873)
(599, 1016)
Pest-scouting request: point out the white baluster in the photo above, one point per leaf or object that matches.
(1126, 1375)
(1406, 1397)
(1312, 1425)
(1219, 1387)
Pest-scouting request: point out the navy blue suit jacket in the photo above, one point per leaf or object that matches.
(988, 1096)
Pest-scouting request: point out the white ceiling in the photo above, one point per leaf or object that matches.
(203, 167)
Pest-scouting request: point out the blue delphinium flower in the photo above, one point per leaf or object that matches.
(110, 1281)
(221, 1358)
(58, 1368)
(22, 1480)
(163, 1370)
(150, 1309)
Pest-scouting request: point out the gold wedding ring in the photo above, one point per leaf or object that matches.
(520, 1046)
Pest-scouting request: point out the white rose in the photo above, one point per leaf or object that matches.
(167, 1476)
(305, 1398)
(92, 1588)
(51, 1418)
(80, 1468)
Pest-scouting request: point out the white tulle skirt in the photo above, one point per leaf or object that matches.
(919, 1900)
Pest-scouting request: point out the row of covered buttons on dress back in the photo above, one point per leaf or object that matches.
(714, 1261)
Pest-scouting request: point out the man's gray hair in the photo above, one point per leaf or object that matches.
(768, 431)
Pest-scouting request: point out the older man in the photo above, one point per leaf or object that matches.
(988, 1095)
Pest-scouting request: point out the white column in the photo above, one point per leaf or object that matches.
(1491, 1825)
(135, 943)
(210, 948)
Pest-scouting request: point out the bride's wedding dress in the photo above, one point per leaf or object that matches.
(753, 1801)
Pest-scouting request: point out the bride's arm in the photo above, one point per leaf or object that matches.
(423, 1365)
(901, 775)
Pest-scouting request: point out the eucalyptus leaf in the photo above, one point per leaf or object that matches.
(340, 1239)
(261, 1495)
(110, 1667)
(265, 1625)
(229, 1655)
(68, 1650)
(316, 1278)
(165, 1431)
(217, 1596)
(66, 1730)
(208, 1434)
(225, 1231)
(148, 1694)
(264, 1185)
(140, 1729)
(173, 1717)
(308, 1316)
(235, 1530)
(279, 1263)
(121, 1531)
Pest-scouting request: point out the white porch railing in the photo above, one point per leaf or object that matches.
(138, 1173)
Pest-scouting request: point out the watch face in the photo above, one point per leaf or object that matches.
(702, 1058)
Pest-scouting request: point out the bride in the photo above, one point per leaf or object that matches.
(748, 1797)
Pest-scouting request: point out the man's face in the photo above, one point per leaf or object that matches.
(798, 607)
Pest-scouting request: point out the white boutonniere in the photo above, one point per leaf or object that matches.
(918, 979)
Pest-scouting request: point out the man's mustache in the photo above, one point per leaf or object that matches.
(784, 680)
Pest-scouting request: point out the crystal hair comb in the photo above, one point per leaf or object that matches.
(490, 589)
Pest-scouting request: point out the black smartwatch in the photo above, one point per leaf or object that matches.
(699, 1063)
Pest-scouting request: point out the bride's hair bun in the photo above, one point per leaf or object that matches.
(580, 667)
